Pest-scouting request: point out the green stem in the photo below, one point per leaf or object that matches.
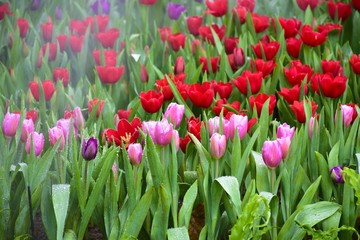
(60, 168)
(85, 181)
(273, 177)
(216, 168)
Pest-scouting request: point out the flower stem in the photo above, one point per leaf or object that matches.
(273, 177)
(85, 183)
(216, 168)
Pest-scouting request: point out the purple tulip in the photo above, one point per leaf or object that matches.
(163, 132)
(105, 6)
(55, 134)
(37, 140)
(26, 129)
(10, 124)
(175, 10)
(58, 12)
(284, 131)
(217, 145)
(271, 153)
(35, 4)
(336, 174)
(89, 148)
(135, 153)
(174, 113)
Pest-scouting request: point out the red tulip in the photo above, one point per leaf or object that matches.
(95, 102)
(193, 24)
(62, 39)
(102, 22)
(241, 13)
(163, 86)
(124, 114)
(76, 43)
(47, 29)
(194, 126)
(355, 63)
(51, 48)
(214, 61)
(4, 9)
(164, 32)
(293, 46)
(201, 95)
(184, 142)
(32, 114)
(108, 39)
(217, 8)
(303, 4)
(61, 74)
(125, 133)
(110, 75)
(356, 4)
(236, 59)
(176, 41)
(151, 101)
(109, 57)
(206, 34)
(311, 37)
(147, 2)
(339, 10)
(248, 4)
(329, 27)
(230, 44)
(270, 49)
(259, 101)
(221, 104)
(332, 87)
(291, 26)
(297, 72)
(292, 94)
(23, 25)
(78, 27)
(261, 23)
(333, 67)
(223, 89)
(144, 77)
(179, 65)
(299, 111)
(265, 67)
(249, 80)
(48, 88)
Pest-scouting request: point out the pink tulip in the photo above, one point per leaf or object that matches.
(238, 123)
(37, 140)
(10, 124)
(55, 134)
(26, 129)
(135, 153)
(163, 132)
(271, 153)
(149, 127)
(78, 118)
(217, 145)
(347, 114)
(174, 113)
(284, 131)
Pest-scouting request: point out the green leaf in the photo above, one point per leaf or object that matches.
(187, 205)
(333, 159)
(232, 188)
(262, 178)
(152, 157)
(180, 233)
(135, 221)
(353, 178)
(60, 199)
(161, 217)
(310, 193)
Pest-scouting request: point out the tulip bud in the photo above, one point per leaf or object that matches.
(311, 126)
(174, 113)
(271, 153)
(143, 74)
(214, 125)
(55, 134)
(58, 12)
(135, 153)
(65, 125)
(179, 65)
(239, 57)
(217, 145)
(163, 132)
(336, 174)
(27, 128)
(10, 124)
(176, 138)
(37, 140)
(78, 118)
(89, 148)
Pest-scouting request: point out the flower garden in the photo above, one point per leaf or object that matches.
(190, 119)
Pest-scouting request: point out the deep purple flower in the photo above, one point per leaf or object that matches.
(336, 175)
(58, 12)
(105, 6)
(89, 148)
(35, 4)
(175, 10)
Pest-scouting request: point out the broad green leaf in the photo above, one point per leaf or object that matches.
(353, 178)
(152, 157)
(187, 205)
(60, 199)
(180, 233)
(309, 194)
(161, 217)
(333, 159)
(232, 188)
(262, 178)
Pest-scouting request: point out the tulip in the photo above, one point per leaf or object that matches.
(135, 153)
(355, 63)
(78, 119)
(163, 132)
(223, 89)
(194, 127)
(336, 174)
(89, 148)
(26, 129)
(151, 101)
(356, 4)
(96, 102)
(284, 144)
(174, 113)
(265, 67)
(65, 125)
(164, 32)
(193, 24)
(110, 75)
(183, 142)
(214, 62)
(217, 8)
(175, 136)
(10, 124)
(48, 88)
(332, 87)
(217, 145)
(299, 111)
(259, 101)
(149, 128)
(206, 33)
(333, 67)
(284, 131)
(47, 29)
(311, 37)
(270, 49)
(261, 23)
(339, 10)
(271, 153)
(214, 125)
(58, 12)
(51, 49)
(4, 10)
(177, 41)
(293, 46)
(303, 4)
(61, 74)
(55, 134)
(347, 113)
(105, 6)
(37, 140)
(201, 95)
(147, 2)
(62, 39)
(143, 74)
(239, 124)
(292, 94)
(179, 65)
(76, 43)
(175, 10)
(291, 26)
(109, 57)
(125, 133)
(23, 25)
(297, 72)
(247, 78)
(108, 38)
(230, 44)
(221, 106)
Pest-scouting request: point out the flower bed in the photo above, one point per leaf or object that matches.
(152, 119)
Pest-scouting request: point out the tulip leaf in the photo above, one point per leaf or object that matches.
(161, 217)
(326, 185)
(60, 199)
(333, 158)
(310, 193)
(180, 233)
(312, 214)
(262, 177)
(353, 179)
(232, 188)
(187, 205)
(152, 157)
